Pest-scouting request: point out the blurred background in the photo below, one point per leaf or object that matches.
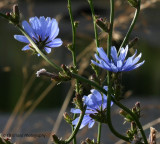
(22, 92)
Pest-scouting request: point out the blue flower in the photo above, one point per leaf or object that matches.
(95, 102)
(43, 32)
(117, 63)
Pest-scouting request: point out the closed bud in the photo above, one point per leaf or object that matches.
(55, 138)
(133, 127)
(16, 16)
(67, 118)
(123, 113)
(89, 141)
(78, 101)
(66, 70)
(8, 14)
(129, 134)
(70, 47)
(103, 24)
(76, 23)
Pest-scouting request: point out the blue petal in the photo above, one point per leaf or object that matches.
(123, 54)
(73, 110)
(135, 66)
(54, 29)
(91, 123)
(48, 50)
(114, 68)
(55, 43)
(106, 88)
(103, 55)
(25, 48)
(28, 28)
(119, 65)
(114, 54)
(21, 38)
(100, 65)
(137, 59)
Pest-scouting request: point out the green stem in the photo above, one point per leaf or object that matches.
(134, 117)
(131, 26)
(99, 133)
(73, 41)
(73, 55)
(109, 44)
(76, 129)
(94, 22)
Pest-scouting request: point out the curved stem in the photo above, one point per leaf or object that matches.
(118, 104)
(76, 129)
(94, 22)
(134, 117)
(131, 26)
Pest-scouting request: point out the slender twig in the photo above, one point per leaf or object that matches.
(109, 44)
(73, 50)
(94, 22)
(76, 128)
(131, 26)
(97, 45)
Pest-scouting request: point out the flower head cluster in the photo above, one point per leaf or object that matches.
(43, 32)
(117, 63)
(95, 102)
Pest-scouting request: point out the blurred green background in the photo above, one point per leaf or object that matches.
(17, 68)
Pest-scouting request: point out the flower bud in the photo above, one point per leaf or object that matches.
(55, 138)
(103, 24)
(67, 118)
(66, 70)
(133, 127)
(16, 16)
(89, 141)
(78, 101)
(76, 23)
(70, 47)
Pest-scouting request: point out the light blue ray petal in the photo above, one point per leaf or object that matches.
(25, 48)
(36, 25)
(21, 38)
(119, 65)
(73, 110)
(103, 55)
(55, 43)
(48, 50)
(137, 59)
(135, 66)
(114, 54)
(28, 28)
(123, 53)
(54, 29)
(91, 123)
